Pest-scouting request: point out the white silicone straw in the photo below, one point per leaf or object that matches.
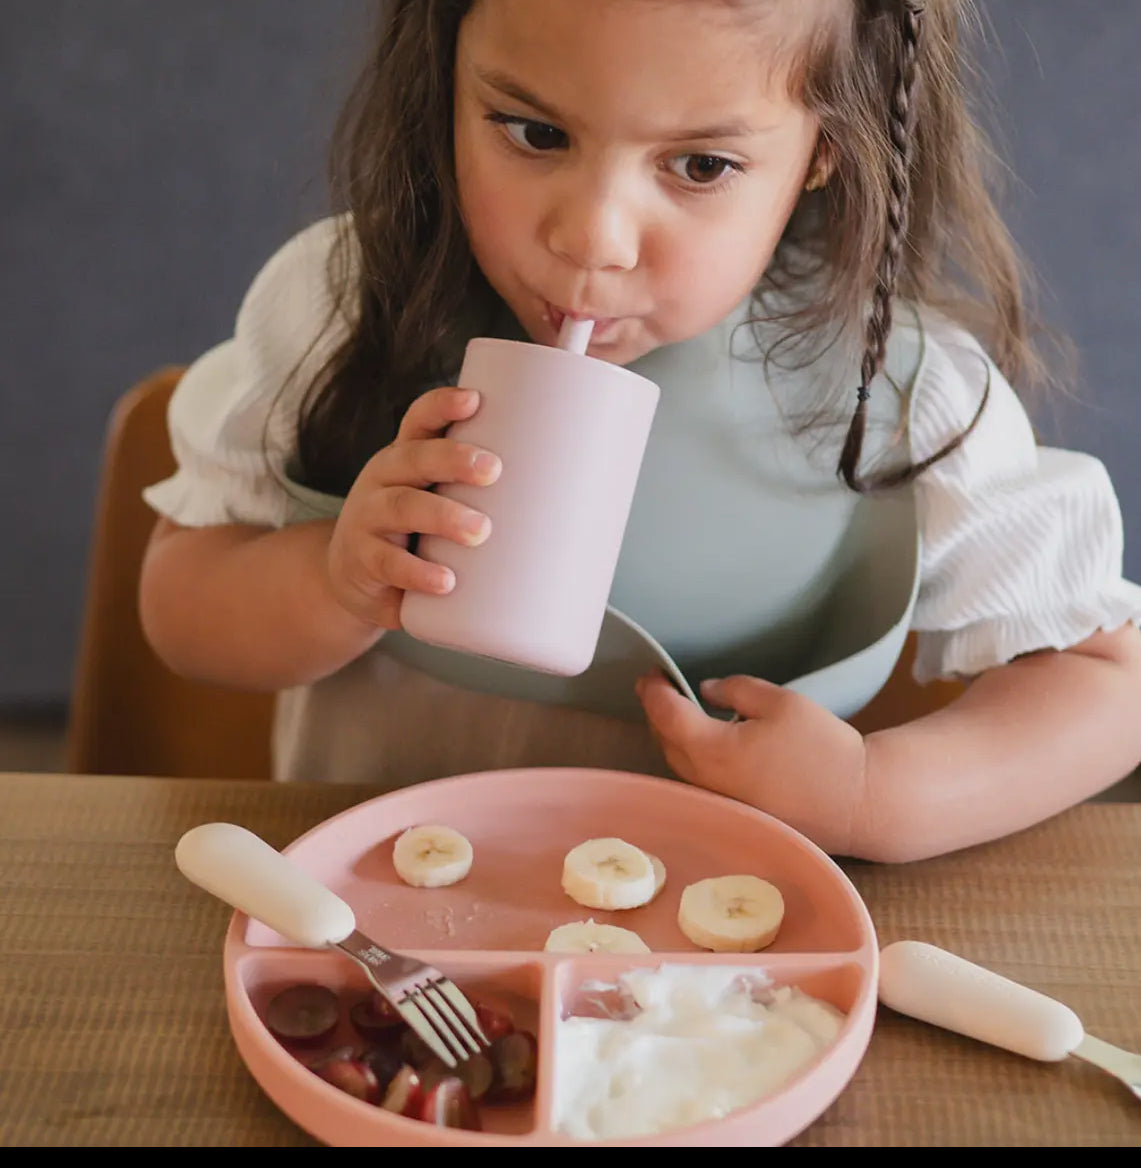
(574, 335)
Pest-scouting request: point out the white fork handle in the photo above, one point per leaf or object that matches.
(238, 867)
(938, 987)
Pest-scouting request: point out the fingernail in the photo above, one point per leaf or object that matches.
(486, 466)
(710, 684)
(476, 528)
(444, 581)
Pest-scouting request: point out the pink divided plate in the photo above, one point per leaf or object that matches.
(487, 933)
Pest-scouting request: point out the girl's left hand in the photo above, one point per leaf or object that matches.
(788, 755)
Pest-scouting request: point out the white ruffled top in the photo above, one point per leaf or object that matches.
(1021, 544)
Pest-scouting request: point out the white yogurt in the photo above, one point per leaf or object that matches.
(702, 1042)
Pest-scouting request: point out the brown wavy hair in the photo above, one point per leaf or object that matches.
(907, 211)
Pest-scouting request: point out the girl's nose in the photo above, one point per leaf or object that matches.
(595, 231)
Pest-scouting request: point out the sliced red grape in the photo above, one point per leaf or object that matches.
(495, 1023)
(353, 1076)
(316, 1061)
(375, 1020)
(515, 1058)
(476, 1073)
(449, 1104)
(433, 1071)
(417, 1053)
(303, 1014)
(385, 1062)
(405, 1094)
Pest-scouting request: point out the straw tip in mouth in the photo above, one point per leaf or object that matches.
(574, 335)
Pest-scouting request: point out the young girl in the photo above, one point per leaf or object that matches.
(775, 210)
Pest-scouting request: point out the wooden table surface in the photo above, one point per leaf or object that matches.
(113, 1029)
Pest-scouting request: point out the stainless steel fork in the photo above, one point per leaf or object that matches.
(241, 869)
(428, 1001)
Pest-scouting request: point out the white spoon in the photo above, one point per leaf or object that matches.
(935, 986)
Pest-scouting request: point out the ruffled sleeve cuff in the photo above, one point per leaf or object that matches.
(233, 416)
(1022, 545)
(967, 652)
(226, 474)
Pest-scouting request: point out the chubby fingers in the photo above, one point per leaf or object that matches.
(422, 462)
(683, 729)
(433, 412)
(392, 496)
(748, 697)
(395, 512)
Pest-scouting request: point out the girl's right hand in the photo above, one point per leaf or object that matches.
(369, 564)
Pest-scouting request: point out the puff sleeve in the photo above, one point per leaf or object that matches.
(233, 416)
(1021, 544)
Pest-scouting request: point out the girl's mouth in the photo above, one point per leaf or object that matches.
(603, 325)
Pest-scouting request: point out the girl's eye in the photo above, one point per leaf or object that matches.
(702, 169)
(529, 134)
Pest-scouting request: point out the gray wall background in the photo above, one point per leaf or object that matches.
(154, 154)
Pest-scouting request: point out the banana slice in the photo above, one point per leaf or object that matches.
(659, 873)
(608, 873)
(432, 856)
(590, 937)
(731, 914)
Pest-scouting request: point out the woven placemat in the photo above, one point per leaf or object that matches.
(113, 1029)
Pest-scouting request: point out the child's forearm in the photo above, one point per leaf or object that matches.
(1024, 742)
(247, 607)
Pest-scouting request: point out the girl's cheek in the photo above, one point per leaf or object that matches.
(496, 207)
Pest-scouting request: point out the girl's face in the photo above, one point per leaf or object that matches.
(632, 161)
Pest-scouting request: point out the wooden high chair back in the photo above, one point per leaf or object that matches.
(130, 715)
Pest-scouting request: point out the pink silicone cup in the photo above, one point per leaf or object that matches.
(571, 432)
(488, 932)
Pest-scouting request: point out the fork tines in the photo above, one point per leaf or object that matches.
(440, 1014)
(429, 1002)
